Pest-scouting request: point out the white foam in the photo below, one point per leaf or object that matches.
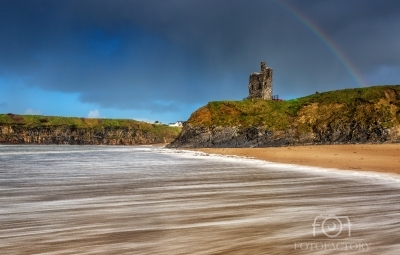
(331, 172)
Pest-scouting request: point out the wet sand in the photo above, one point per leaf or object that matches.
(360, 157)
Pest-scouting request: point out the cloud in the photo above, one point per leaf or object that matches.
(133, 54)
(32, 112)
(94, 114)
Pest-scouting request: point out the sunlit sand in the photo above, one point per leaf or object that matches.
(360, 157)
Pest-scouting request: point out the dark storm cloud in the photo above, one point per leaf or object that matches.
(367, 31)
(135, 54)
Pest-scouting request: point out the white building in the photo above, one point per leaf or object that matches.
(176, 124)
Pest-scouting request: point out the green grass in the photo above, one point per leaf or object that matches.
(275, 115)
(39, 121)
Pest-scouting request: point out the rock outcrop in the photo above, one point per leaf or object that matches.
(340, 117)
(256, 136)
(66, 135)
(19, 129)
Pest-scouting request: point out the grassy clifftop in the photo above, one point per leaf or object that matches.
(36, 122)
(359, 104)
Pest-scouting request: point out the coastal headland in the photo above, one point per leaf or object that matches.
(349, 116)
(352, 129)
(36, 129)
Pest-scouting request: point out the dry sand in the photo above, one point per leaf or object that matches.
(360, 157)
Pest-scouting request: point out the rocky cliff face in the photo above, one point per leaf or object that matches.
(16, 134)
(37, 129)
(255, 136)
(369, 116)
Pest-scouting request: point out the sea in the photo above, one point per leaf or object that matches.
(151, 200)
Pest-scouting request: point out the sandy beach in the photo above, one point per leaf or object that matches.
(360, 157)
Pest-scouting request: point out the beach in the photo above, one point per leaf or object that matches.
(149, 200)
(359, 157)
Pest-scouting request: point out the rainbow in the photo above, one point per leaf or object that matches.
(328, 42)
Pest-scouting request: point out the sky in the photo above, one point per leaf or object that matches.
(162, 59)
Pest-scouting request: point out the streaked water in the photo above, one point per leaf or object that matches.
(147, 200)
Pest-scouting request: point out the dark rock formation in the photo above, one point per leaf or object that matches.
(18, 134)
(255, 136)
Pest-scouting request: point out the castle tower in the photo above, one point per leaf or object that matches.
(260, 84)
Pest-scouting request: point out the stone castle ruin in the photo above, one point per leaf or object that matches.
(260, 84)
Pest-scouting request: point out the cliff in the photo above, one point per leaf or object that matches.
(350, 116)
(30, 129)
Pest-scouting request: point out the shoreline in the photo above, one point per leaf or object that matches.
(383, 158)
